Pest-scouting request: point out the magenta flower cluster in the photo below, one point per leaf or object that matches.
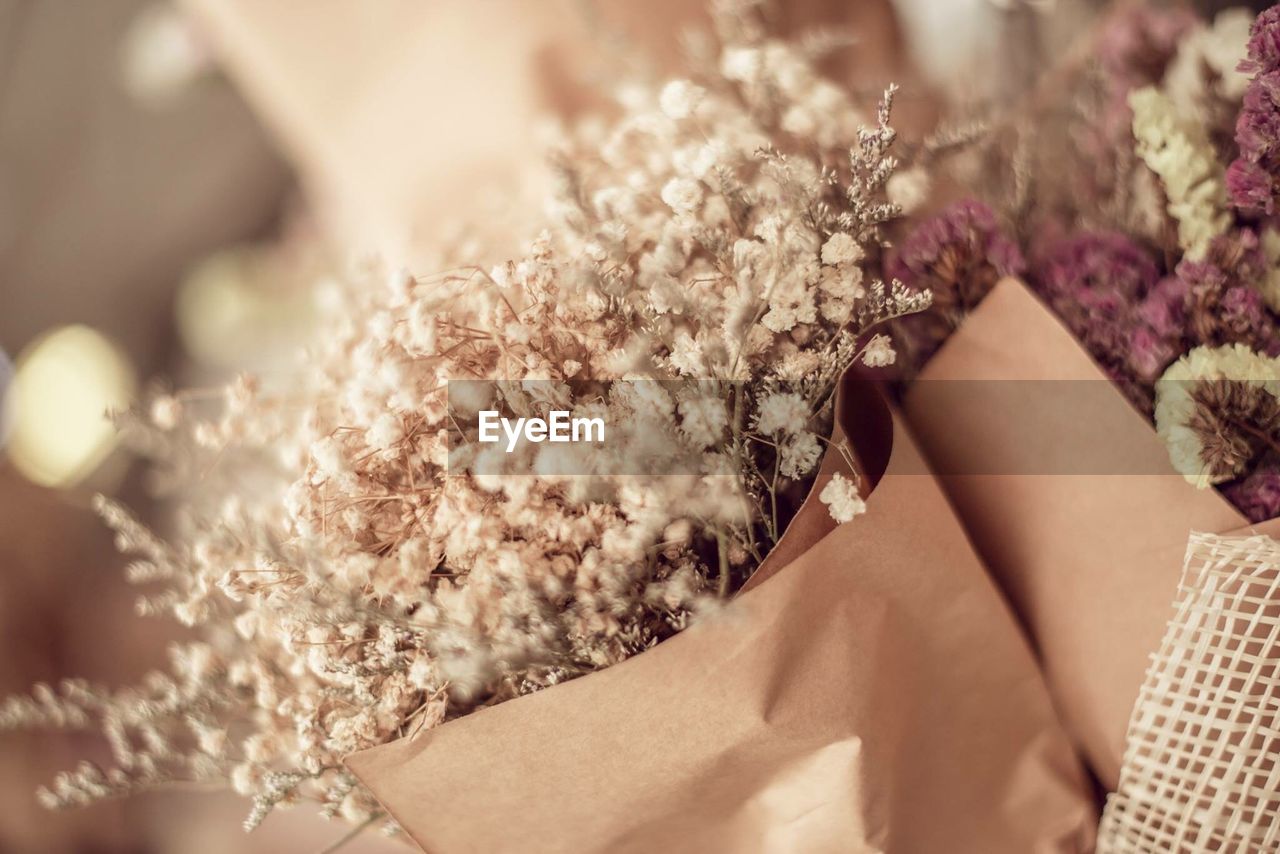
(965, 237)
(1111, 295)
(1134, 320)
(1257, 495)
(1252, 177)
(957, 255)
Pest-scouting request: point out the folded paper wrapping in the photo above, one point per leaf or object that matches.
(875, 695)
(1069, 497)
(1200, 771)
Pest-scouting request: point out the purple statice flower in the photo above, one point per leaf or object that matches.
(1257, 495)
(1094, 266)
(1264, 43)
(1109, 293)
(1222, 302)
(962, 246)
(958, 255)
(1252, 177)
(1244, 315)
(1164, 309)
(1136, 44)
(1249, 186)
(1134, 48)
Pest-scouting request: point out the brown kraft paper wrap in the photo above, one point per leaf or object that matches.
(875, 695)
(1069, 497)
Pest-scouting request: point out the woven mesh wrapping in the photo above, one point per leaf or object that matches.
(1201, 768)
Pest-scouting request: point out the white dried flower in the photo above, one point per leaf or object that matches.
(782, 412)
(679, 98)
(879, 352)
(1177, 410)
(385, 432)
(841, 248)
(741, 64)
(842, 499)
(908, 189)
(682, 195)
(166, 411)
(800, 453)
(350, 585)
(1186, 166)
(1206, 64)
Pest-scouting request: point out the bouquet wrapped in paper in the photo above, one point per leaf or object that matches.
(871, 693)
(518, 645)
(1101, 350)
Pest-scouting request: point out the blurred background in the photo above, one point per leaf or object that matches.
(171, 178)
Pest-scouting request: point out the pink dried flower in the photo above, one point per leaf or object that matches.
(1251, 178)
(1224, 304)
(1250, 188)
(1138, 42)
(1105, 289)
(957, 256)
(1264, 43)
(1257, 495)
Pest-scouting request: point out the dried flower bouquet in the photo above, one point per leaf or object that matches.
(1165, 259)
(344, 590)
(1118, 274)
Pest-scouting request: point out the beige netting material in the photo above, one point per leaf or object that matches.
(1201, 768)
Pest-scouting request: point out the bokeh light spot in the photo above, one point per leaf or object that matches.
(57, 401)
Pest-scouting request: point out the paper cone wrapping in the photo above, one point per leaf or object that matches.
(875, 695)
(1200, 771)
(1069, 497)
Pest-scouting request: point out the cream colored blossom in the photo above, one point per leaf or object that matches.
(1206, 64)
(841, 248)
(800, 453)
(166, 411)
(679, 98)
(879, 352)
(1186, 166)
(353, 581)
(682, 195)
(909, 189)
(782, 412)
(842, 499)
(1175, 407)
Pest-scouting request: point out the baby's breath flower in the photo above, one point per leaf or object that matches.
(679, 98)
(166, 411)
(800, 453)
(842, 499)
(878, 352)
(908, 189)
(349, 587)
(841, 248)
(782, 412)
(682, 195)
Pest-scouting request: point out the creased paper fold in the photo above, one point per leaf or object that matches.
(873, 695)
(1089, 560)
